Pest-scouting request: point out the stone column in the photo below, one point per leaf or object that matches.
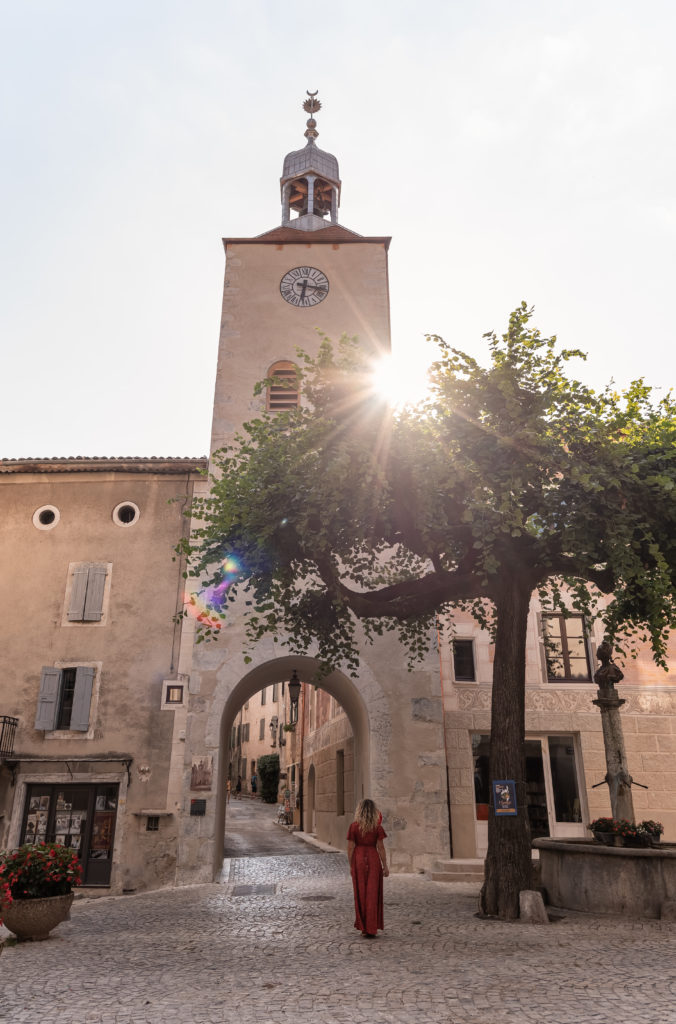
(609, 703)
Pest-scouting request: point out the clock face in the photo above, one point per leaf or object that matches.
(304, 286)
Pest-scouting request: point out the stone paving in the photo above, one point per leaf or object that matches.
(286, 951)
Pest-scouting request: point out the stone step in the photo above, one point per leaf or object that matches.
(457, 876)
(458, 870)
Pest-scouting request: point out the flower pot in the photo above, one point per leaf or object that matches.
(35, 919)
(607, 838)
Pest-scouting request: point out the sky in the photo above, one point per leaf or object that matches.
(522, 150)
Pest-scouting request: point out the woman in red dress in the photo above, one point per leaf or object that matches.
(368, 866)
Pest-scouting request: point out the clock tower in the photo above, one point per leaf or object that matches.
(309, 274)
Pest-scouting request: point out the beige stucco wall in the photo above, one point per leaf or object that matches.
(258, 328)
(134, 648)
(648, 719)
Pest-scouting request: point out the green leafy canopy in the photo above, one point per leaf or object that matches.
(345, 511)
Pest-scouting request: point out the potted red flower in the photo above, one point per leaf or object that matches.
(36, 888)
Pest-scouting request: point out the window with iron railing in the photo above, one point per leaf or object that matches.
(8, 727)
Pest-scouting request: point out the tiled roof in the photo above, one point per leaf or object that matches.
(96, 464)
(331, 233)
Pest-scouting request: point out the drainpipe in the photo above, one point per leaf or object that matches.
(443, 729)
(302, 737)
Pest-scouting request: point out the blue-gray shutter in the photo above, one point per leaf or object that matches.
(78, 593)
(82, 698)
(48, 699)
(96, 582)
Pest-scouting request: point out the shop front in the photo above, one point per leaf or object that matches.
(553, 787)
(82, 817)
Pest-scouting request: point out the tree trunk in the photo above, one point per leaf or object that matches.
(508, 862)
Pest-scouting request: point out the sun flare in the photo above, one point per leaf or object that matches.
(400, 382)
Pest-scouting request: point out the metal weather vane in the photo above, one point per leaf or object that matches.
(311, 106)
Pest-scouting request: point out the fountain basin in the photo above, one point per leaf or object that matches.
(581, 874)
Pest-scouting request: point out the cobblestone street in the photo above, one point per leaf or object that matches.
(275, 943)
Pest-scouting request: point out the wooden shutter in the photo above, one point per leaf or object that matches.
(82, 698)
(93, 604)
(48, 699)
(541, 644)
(78, 593)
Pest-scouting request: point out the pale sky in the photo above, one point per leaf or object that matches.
(521, 150)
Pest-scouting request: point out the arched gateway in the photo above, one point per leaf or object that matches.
(278, 670)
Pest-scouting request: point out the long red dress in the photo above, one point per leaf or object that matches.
(367, 878)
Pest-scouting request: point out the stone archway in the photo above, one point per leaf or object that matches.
(337, 684)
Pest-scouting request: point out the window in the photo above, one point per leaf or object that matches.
(242, 770)
(340, 782)
(463, 661)
(174, 694)
(152, 823)
(285, 394)
(245, 733)
(126, 513)
(275, 692)
(65, 698)
(264, 695)
(565, 648)
(87, 591)
(261, 731)
(46, 517)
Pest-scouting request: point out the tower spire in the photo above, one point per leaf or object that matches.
(310, 180)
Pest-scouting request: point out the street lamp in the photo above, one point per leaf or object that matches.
(294, 694)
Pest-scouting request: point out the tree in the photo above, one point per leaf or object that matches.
(268, 773)
(510, 479)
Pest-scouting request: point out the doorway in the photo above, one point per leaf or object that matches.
(311, 823)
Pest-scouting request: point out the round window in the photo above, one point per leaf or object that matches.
(126, 513)
(46, 517)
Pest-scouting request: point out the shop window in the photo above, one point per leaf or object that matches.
(463, 661)
(564, 778)
(284, 393)
(87, 591)
(565, 648)
(82, 817)
(65, 698)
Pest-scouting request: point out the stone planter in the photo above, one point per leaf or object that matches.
(35, 919)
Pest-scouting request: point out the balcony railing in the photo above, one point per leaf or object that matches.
(7, 733)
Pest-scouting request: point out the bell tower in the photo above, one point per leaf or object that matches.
(310, 181)
(307, 275)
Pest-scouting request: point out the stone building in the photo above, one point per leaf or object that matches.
(124, 727)
(91, 678)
